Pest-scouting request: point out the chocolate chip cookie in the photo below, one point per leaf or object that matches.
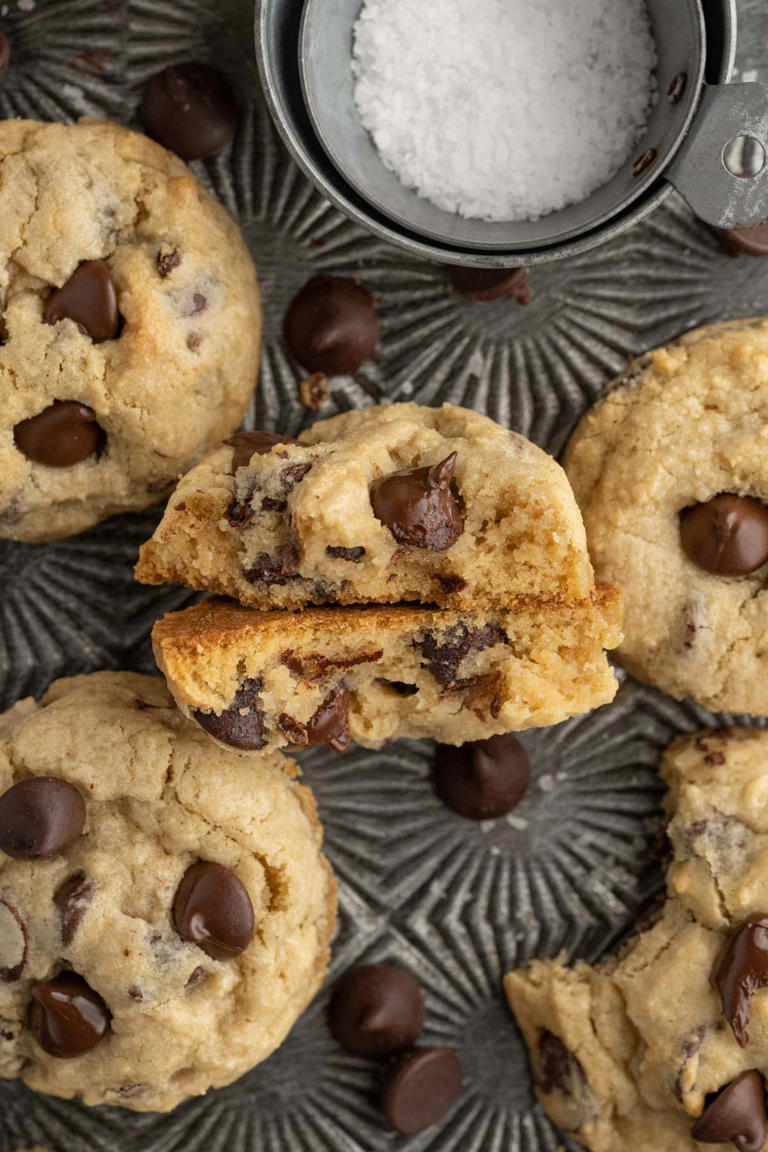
(165, 910)
(257, 680)
(670, 470)
(388, 504)
(665, 1049)
(129, 324)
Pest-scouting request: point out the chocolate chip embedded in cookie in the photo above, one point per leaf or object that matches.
(670, 469)
(398, 503)
(129, 325)
(736, 1116)
(743, 971)
(373, 674)
(197, 882)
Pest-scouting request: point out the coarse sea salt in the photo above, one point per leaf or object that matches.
(504, 109)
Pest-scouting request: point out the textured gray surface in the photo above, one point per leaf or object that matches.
(456, 902)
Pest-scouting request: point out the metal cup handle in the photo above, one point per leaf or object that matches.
(729, 135)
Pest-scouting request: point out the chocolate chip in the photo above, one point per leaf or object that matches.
(420, 1087)
(274, 569)
(72, 899)
(742, 971)
(13, 942)
(399, 687)
(88, 298)
(314, 391)
(331, 325)
(61, 435)
(485, 284)
(248, 444)
(559, 1070)
(190, 109)
(212, 909)
(40, 817)
(167, 260)
(137, 994)
(484, 780)
(329, 724)
(239, 513)
(419, 506)
(753, 241)
(354, 555)
(450, 584)
(67, 1017)
(241, 724)
(736, 1116)
(444, 651)
(376, 1010)
(727, 536)
(197, 977)
(5, 55)
(194, 340)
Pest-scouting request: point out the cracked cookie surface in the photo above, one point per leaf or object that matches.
(639, 1052)
(126, 907)
(126, 292)
(685, 426)
(388, 504)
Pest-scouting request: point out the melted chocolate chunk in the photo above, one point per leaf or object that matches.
(354, 555)
(248, 444)
(486, 284)
(63, 434)
(88, 298)
(13, 943)
(559, 1070)
(212, 909)
(67, 1017)
(40, 818)
(727, 536)
(331, 325)
(484, 780)
(420, 1087)
(376, 1010)
(444, 651)
(736, 1115)
(419, 506)
(329, 724)
(314, 666)
(72, 899)
(241, 725)
(167, 260)
(274, 569)
(190, 109)
(742, 971)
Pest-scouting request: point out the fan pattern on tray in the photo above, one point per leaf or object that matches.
(455, 902)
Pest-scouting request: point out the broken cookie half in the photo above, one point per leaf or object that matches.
(263, 680)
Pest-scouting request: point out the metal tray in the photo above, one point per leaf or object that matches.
(456, 902)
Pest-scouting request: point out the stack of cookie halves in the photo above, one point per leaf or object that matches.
(396, 571)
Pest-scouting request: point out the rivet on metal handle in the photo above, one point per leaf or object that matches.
(722, 166)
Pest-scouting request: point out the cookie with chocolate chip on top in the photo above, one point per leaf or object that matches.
(665, 1047)
(129, 325)
(670, 469)
(165, 909)
(386, 504)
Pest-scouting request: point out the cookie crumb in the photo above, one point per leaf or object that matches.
(314, 391)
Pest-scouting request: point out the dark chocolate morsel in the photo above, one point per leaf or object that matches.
(444, 651)
(248, 444)
(274, 569)
(736, 1115)
(331, 325)
(167, 259)
(353, 555)
(420, 1087)
(40, 817)
(67, 1017)
(5, 54)
(189, 108)
(330, 723)
(742, 971)
(376, 1010)
(486, 284)
(212, 909)
(559, 1070)
(753, 241)
(61, 435)
(241, 724)
(72, 899)
(727, 536)
(88, 298)
(13, 942)
(484, 780)
(419, 506)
